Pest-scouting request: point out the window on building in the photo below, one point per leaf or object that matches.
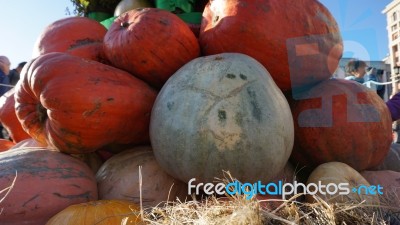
(395, 36)
(395, 54)
(394, 16)
(394, 27)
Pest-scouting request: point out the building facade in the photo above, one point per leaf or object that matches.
(392, 11)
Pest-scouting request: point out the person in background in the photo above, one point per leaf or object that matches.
(356, 70)
(4, 71)
(381, 88)
(394, 106)
(14, 74)
(372, 75)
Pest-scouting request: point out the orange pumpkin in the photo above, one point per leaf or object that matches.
(297, 41)
(78, 36)
(340, 120)
(5, 145)
(46, 182)
(77, 105)
(101, 212)
(151, 44)
(9, 119)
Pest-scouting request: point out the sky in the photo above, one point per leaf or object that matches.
(362, 25)
(21, 23)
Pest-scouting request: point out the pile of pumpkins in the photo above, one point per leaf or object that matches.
(113, 118)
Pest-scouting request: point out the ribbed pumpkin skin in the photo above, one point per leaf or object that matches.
(101, 212)
(151, 44)
(79, 36)
(280, 34)
(341, 128)
(78, 106)
(47, 182)
(9, 119)
(29, 143)
(222, 112)
(118, 178)
(5, 145)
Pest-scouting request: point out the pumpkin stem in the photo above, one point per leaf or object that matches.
(125, 24)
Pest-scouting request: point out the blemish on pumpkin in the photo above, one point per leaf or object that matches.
(21, 213)
(85, 195)
(231, 76)
(164, 21)
(221, 115)
(143, 62)
(225, 141)
(95, 80)
(218, 58)
(81, 42)
(239, 119)
(68, 132)
(29, 200)
(243, 4)
(243, 77)
(170, 105)
(40, 82)
(97, 106)
(266, 7)
(160, 59)
(110, 99)
(216, 19)
(256, 111)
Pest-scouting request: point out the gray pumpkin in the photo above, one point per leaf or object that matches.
(222, 112)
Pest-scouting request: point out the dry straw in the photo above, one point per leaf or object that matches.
(238, 210)
(235, 210)
(7, 190)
